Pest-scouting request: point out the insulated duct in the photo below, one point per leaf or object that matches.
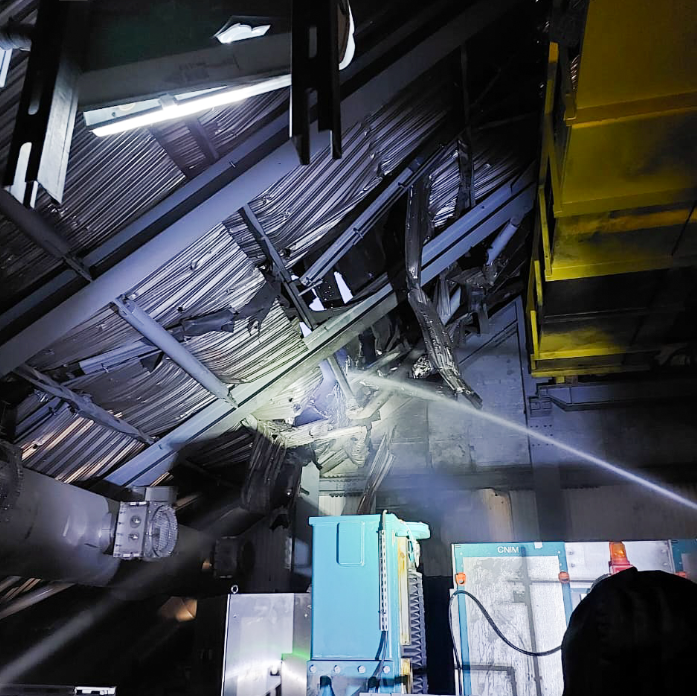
(54, 531)
(16, 36)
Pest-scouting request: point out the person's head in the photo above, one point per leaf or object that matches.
(635, 634)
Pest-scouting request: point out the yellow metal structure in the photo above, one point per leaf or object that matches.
(624, 115)
(617, 189)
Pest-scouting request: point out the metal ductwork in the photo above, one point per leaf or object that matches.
(55, 531)
(51, 530)
(16, 36)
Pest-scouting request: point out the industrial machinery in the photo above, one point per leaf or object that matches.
(362, 627)
(616, 231)
(367, 621)
(529, 591)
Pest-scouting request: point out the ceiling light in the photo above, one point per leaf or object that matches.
(180, 108)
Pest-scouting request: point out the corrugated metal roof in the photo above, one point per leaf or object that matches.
(227, 126)
(224, 128)
(63, 445)
(302, 207)
(218, 271)
(109, 182)
(211, 274)
(498, 153)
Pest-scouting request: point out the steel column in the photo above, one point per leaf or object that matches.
(546, 475)
(173, 225)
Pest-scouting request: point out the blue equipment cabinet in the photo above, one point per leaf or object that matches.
(367, 606)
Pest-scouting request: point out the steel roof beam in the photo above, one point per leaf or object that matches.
(145, 325)
(83, 405)
(403, 178)
(304, 312)
(33, 226)
(186, 215)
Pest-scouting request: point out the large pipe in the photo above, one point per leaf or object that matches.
(55, 531)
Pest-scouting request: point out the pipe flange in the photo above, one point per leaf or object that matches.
(162, 532)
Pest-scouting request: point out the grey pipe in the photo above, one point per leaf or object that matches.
(502, 239)
(142, 322)
(55, 531)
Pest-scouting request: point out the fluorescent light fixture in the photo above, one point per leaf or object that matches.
(240, 32)
(110, 120)
(174, 108)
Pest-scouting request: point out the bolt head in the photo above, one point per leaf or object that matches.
(336, 669)
(386, 669)
(361, 669)
(313, 669)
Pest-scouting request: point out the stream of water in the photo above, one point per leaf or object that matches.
(412, 389)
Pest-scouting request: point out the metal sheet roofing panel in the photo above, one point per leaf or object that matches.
(110, 181)
(153, 401)
(303, 206)
(498, 153)
(226, 126)
(66, 446)
(211, 274)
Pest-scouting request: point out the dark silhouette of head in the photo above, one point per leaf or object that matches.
(636, 634)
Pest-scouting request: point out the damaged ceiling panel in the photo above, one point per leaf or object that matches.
(498, 153)
(134, 173)
(159, 400)
(305, 205)
(153, 401)
(211, 274)
(226, 127)
(112, 179)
